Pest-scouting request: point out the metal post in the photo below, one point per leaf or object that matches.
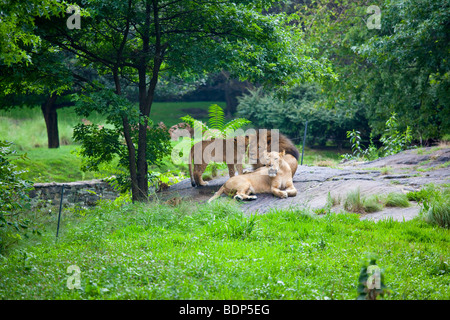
(304, 141)
(60, 208)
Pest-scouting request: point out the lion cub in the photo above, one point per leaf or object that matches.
(272, 178)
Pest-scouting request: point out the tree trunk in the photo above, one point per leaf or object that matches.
(51, 121)
(146, 95)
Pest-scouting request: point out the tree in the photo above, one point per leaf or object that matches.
(32, 71)
(17, 26)
(136, 40)
(412, 49)
(401, 67)
(49, 82)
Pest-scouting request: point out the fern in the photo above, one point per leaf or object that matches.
(195, 124)
(216, 122)
(216, 117)
(234, 125)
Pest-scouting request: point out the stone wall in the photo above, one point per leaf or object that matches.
(82, 193)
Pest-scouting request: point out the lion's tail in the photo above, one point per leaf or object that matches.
(191, 173)
(217, 194)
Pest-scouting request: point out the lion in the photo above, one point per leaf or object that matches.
(272, 178)
(263, 137)
(206, 152)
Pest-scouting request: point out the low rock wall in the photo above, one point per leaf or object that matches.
(82, 193)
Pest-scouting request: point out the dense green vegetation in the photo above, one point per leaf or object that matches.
(369, 85)
(155, 251)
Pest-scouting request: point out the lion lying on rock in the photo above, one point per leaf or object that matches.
(275, 176)
(265, 137)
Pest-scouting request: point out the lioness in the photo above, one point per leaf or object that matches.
(272, 178)
(264, 138)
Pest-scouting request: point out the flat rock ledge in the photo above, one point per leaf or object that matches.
(406, 171)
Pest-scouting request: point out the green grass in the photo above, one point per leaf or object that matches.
(373, 204)
(397, 200)
(58, 165)
(153, 251)
(26, 126)
(317, 157)
(435, 204)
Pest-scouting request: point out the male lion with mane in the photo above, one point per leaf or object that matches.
(272, 178)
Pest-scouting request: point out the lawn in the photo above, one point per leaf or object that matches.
(26, 126)
(214, 251)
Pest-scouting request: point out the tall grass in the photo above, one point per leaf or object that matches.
(435, 204)
(397, 200)
(354, 202)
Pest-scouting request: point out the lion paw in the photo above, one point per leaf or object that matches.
(283, 194)
(252, 197)
(238, 197)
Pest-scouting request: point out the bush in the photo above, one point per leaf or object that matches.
(393, 142)
(13, 196)
(303, 103)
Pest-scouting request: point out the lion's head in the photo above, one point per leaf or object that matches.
(272, 160)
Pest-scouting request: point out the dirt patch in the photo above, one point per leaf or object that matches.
(403, 172)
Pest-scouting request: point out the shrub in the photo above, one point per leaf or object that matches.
(303, 103)
(13, 196)
(393, 142)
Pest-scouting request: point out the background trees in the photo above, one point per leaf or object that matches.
(402, 67)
